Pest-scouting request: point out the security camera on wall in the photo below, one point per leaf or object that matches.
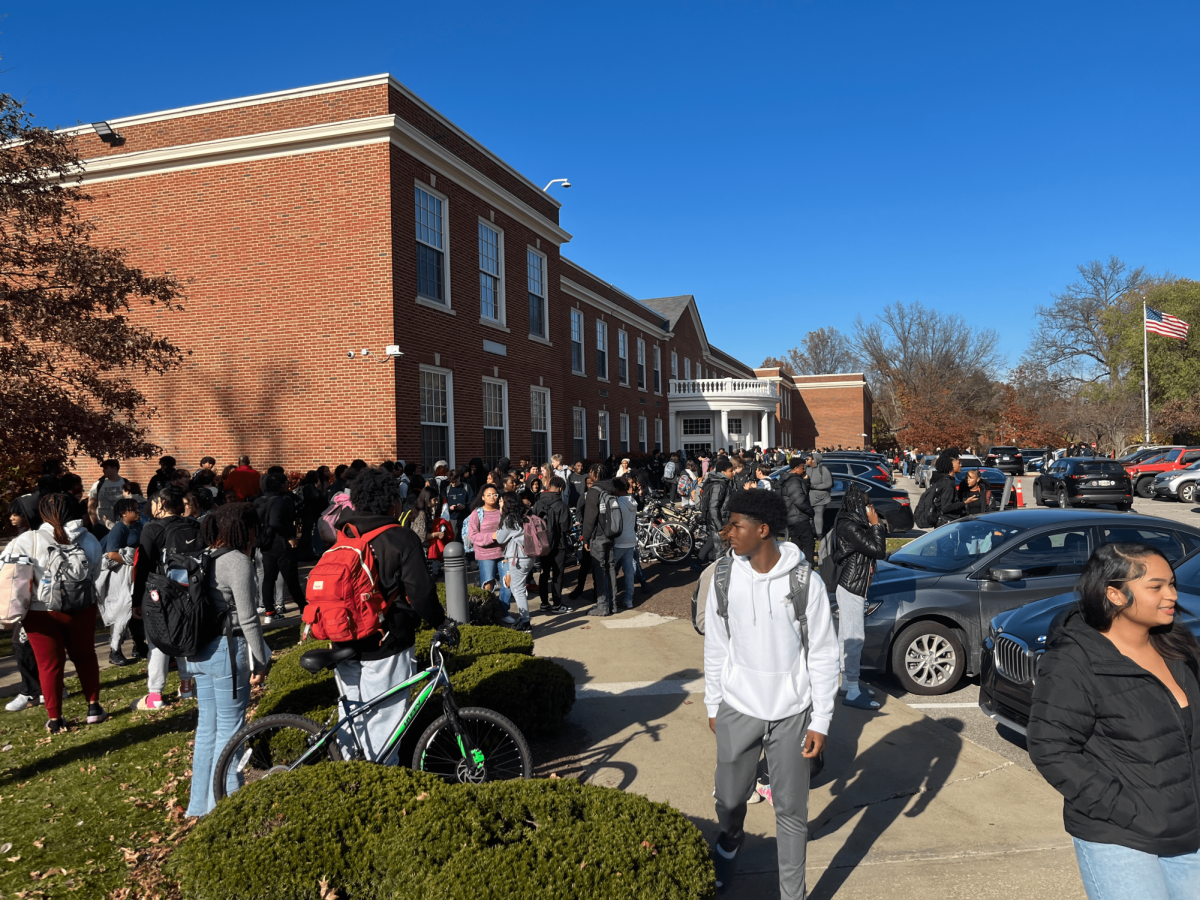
(349, 354)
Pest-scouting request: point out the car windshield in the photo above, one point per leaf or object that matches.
(1099, 468)
(971, 462)
(954, 546)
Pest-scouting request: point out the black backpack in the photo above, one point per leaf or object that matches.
(926, 514)
(178, 611)
(608, 510)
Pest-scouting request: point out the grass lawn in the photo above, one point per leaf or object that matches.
(80, 810)
(897, 543)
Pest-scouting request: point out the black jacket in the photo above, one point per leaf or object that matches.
(577, 488)
(592, 533)
(859, 545)
(276, 519)
(795, 497)
(715, 500)
(945, 497)
(148, 557)
(404, 580)
(1110, 738)
(557, 516)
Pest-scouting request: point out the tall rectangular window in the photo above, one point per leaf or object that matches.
(641, 363)
(624, 433)
(490, 257)
(539, 424)
(657, 369)
(577, 341)
(601, 350)
(431, 244)
(579, 432)
(537, 293)
(495, 423)
(642, 433)
(434, 389)
(657, 434)
(602, 434)
(687, 369)
(674, 364)
(735, 425)
(623, 356)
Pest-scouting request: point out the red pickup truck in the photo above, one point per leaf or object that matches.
(1175, 458)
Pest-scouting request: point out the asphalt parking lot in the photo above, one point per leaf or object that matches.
(961, 705)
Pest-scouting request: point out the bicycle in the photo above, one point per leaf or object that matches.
(667, 542)
(466, 746)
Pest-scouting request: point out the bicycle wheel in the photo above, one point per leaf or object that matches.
(505, 753)
(269, 745)
(672, 543)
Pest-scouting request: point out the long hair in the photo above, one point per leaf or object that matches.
(231, 525)
(513, 511)
(58, 510)
(1115, 565)
(854, 505)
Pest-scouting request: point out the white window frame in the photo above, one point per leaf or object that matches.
(538, 389)
(501, 312)
(577, 316)
(623, 355)
(601, 339)
(687, 369)
(603, 433)
(643, 435)
(579, 430)
(642, 374)
(443, 304)
(545, 295)
(658, 433)
(449, 375)
(623, 434)
(503, 382)
(674, 364)
(657, 369)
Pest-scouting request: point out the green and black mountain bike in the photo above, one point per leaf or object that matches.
(470, 745)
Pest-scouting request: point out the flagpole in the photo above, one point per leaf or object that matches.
(1146, 369)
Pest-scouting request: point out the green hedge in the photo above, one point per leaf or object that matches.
(537, 694)
(368, 832)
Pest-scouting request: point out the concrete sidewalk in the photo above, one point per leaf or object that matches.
(906, 807)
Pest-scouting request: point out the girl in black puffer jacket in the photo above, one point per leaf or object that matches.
(1115, 728)
(860, 540)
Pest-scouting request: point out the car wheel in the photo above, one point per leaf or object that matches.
(928, 658)
(1144, 486)
(1064, 502)
(1187, 493)
(1037, 495)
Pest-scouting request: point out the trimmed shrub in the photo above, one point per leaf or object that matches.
(363, 830)
(476, 641)
(291, 689)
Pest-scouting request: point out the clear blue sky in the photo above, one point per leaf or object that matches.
(793, 165)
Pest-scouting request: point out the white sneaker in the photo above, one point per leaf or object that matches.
(268, 620)
(20, 702)
(262, 610)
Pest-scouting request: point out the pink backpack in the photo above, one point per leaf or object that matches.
(327, 525)
(537, 539)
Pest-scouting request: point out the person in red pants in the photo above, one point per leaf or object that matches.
(56, 634)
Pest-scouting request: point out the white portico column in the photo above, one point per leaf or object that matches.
(673, 431)
(764, 430)
(771, 422)
(724, 430)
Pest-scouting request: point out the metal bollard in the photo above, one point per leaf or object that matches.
(455, 559)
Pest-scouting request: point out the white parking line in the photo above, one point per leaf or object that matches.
(639, 689)
(944, 705)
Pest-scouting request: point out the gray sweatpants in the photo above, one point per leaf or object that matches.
(363, 681)
(740, 740)
(819, 517)
(158, 666)
(851, 632)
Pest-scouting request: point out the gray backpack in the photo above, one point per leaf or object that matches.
(68, 577)
(721, 570)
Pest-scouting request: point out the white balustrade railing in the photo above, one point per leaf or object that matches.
(741, 387)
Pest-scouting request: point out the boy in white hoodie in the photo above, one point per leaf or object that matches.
(765, 691)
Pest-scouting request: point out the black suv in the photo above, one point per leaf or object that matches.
(1007, 459)
(1084, 481)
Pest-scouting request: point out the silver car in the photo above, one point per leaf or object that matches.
(1178, 485)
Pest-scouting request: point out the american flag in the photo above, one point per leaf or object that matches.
(1166, 325)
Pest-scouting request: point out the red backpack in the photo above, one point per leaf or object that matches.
(344, 600)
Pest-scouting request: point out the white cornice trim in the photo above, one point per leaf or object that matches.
(314, 138)
(802, 387)
(625, 294)
(348, 84)
(579, 292)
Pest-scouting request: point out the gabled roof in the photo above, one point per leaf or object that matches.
(670, 308)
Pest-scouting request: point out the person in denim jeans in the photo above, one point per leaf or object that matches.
(518, 565)
(229, 534)
(625, 549)
(482, 524)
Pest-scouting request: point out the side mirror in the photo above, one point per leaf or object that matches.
(1006, 574)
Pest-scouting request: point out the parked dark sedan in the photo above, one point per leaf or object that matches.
(1006, 459)
(995, 480)
(892, 504)
(930, 604)
(1017, 638)
(859, 468)
(1083, 481)
(1035, 457)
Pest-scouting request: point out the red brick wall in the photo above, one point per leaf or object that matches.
(835, 416)
(287, 264)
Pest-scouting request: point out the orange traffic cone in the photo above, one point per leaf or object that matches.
(1020, 496)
